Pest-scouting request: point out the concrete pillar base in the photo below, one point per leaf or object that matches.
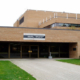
(50, 57)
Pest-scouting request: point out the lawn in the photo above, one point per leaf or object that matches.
(72, 61)
(9, 71)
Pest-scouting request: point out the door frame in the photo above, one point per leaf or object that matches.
(53, 52)
(30, 49)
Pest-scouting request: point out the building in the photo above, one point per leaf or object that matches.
(37, 33)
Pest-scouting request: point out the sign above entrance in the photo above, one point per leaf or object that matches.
(32, 36)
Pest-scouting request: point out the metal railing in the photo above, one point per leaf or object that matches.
(55, 16)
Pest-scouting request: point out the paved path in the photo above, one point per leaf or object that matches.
(49, 69)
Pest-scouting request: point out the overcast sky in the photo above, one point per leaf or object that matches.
(11, 10)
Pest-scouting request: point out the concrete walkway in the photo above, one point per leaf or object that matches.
(49, 69)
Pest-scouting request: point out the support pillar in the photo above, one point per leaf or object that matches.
(59, 51)
(21, 51)
(50, 57)
(38, 51)
(9, 50)
(73, 53)
(29, 52)
(49, 50)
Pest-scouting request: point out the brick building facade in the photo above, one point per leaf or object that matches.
(36, 34)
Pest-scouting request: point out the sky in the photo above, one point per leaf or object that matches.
(11, 10)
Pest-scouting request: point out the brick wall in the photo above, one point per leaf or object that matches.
(64, 36)
(33, 17)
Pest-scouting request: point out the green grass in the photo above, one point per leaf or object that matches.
(72, 61)
(9, 71)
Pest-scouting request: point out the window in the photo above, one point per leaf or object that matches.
(64, 25)
(60, 24)
(21, 20)
(3, 50)
(74, 49)
(53, 25)
(14, 50)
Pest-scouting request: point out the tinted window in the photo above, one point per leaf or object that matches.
(74, 49)
(65, 25)
(21, 21)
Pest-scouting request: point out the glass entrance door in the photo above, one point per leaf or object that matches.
(60, 50)
(64, 50)
(34, 53)
(30, 51)
(25, 53)
(43, 51)
(54, 51)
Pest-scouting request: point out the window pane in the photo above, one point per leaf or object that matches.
(21, 20)
(54, 51)
(53, 25)
(44, 51)
(34, 50)
(3, 50)
(60, 24)
(25, 52)
(15, 50)
(64, 50)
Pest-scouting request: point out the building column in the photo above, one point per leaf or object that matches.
(38, 51)
(59, 51)
(73, 53)
(49, 50)
(9, 50)
(21, 51)
(29, 52)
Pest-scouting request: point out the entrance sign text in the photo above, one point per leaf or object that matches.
(30, 36)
